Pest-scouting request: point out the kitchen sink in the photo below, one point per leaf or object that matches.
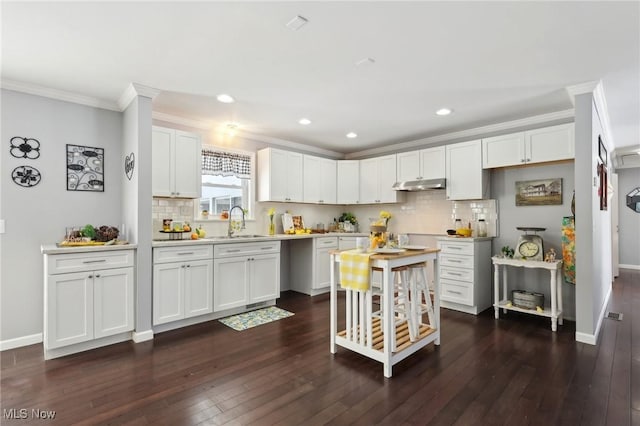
(226, 237)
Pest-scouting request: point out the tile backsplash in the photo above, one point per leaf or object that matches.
(169, 208)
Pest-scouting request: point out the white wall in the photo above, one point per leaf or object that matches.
(40, 214)
(629, 221)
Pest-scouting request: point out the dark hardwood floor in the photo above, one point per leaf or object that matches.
(511, 371)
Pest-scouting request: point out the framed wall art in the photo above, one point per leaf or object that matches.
(544, 192)
(85, 168)
(602, 151)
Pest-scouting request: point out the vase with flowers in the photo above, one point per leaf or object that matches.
(378, 229)
(272, 225)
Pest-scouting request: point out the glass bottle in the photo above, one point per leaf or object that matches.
(458, 224)
(482, 228)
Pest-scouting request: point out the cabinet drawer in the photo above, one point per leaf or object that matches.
(458, 274)
(79, 262)
(327, 242)
(456, 247)
(456, 292)
(456, 261)
(178, 254)
(243, 249)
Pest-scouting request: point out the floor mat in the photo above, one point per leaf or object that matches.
(254, 318)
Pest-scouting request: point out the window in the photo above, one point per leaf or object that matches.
(227, 181)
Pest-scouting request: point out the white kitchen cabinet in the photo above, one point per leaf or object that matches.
(309, 265)
(280, 175)
(245, 273)
(533, 146)
(465, 274)
(466, 179)
(184, 288)
(176, 160)
(426, 163)
(377, 176)
(348, 182)
(88, 296)
(319, 182)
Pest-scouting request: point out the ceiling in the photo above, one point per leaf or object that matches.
(490, 62)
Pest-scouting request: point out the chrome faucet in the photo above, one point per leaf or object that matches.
(231, 230)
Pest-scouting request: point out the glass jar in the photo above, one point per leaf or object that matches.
(482, 228)
(458, 224)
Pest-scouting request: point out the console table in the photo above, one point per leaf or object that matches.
(554, 311)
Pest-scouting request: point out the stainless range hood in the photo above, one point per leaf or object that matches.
(420, 185)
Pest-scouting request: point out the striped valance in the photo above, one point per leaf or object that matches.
(226, 164)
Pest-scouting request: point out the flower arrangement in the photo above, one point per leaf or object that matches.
(272, 226)
(385, 216)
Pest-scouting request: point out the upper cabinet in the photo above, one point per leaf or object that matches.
(280, 176)
(377, 176)
(466, 180)
(319, 180)
(348, 182)
(423, 164)
(533, 146)
(175, 163)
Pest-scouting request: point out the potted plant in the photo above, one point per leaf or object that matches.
(349, 221)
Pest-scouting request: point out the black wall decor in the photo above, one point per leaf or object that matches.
(85, 168)
(129, 165)
(26, 176)
(24, 147)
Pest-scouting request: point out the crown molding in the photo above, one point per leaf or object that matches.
(289, 144)
(581, 89)
(134, 90)
(173, 119)
(468, 134)
(61, 95)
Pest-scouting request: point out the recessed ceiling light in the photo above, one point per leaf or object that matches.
(352, 135)
(444, 111)
(304, 121)
(366, 61)
(225, 99)
(296, 23)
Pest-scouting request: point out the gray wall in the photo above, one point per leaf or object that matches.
(628, 220)
(40, 214)
(511, 216)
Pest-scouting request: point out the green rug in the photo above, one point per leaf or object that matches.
(254, 318)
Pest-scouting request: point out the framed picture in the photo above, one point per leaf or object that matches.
(544, 192)
(85, 168)
(602, 151)
(603, 186)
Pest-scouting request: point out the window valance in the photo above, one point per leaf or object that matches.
(226, 164)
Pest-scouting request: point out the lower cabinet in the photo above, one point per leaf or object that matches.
(310, 265)
(465, 274)
(84, 302)
(182, 289)
(245, 273)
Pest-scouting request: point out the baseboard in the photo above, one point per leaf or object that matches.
(592, 339)
(589, 339)
(625, 266)
(142, 336)
(19, 342)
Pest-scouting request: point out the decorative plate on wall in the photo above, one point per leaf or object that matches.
(26, 176)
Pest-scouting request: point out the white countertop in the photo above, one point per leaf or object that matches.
(240, 239)
(463, 239)
(54, 249)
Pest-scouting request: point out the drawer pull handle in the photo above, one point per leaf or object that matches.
(184, 253)
(94, 261)
(266, 248)
(455, 261)
(233, 251)
(454, 273)
(455, 248)
(455, 292)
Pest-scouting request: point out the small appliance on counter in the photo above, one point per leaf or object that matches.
(529, 245)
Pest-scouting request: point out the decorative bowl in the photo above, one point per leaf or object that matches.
(465, 232)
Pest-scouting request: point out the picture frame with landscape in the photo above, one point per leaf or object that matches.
(541, 192)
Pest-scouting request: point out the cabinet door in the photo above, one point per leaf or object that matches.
(312, 179)
(348, 182)
(328, 181)
(113, 294)
(294, 167)
(162, 167)
(69, 313)
(322, 268)
(198, 288)
(432, 163)
(550, 143)
(368, 181)
(408, 166)
(229, 283)
(168, 292)
(505, 150)
(465, 177)
(188, 159)
(264, 277)
(386, 179)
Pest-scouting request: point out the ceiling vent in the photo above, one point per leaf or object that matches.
(630, 160)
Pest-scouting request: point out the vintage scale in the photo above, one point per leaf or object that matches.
(529, 245)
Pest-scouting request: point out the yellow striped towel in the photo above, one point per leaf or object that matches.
(354, 270)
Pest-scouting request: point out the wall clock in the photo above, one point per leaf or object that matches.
(529, 246)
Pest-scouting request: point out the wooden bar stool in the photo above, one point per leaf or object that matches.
(402, 300)
(421, 294)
